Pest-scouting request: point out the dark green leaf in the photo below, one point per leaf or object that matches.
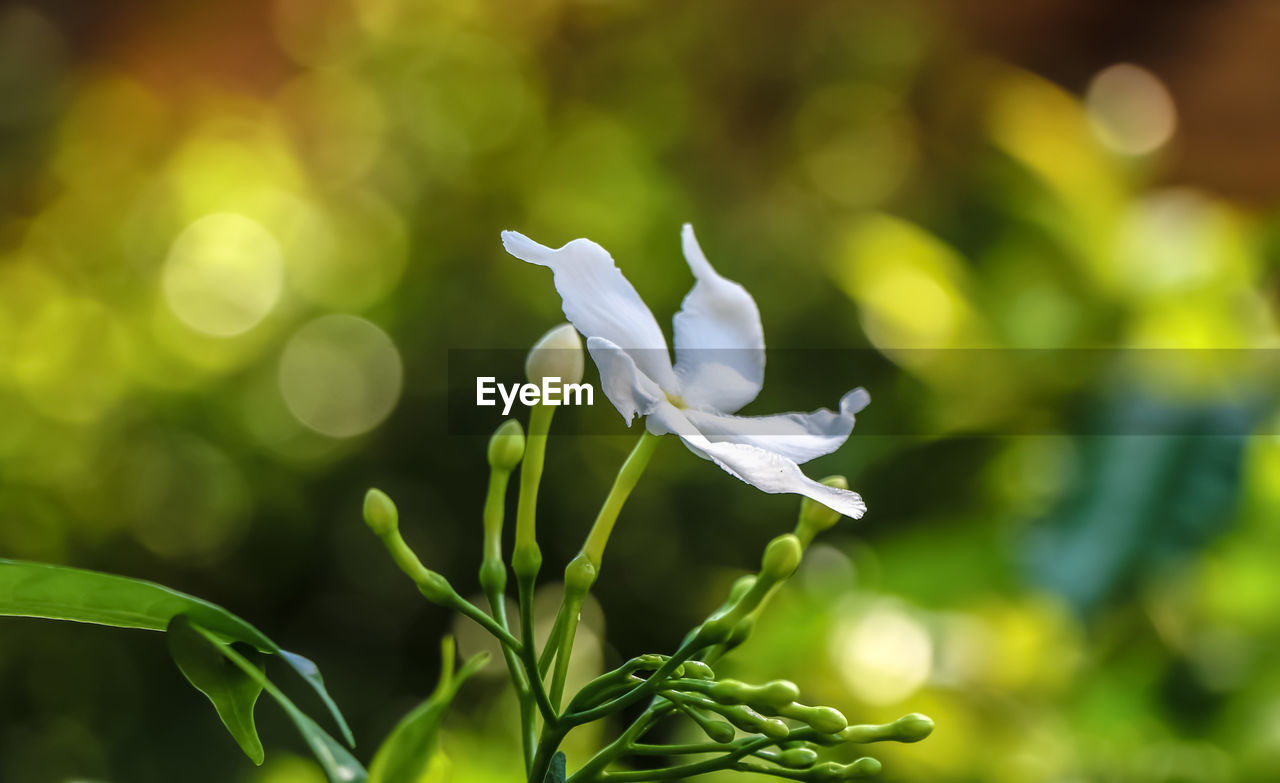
(557, 772)
(232, 692)
(337, 761)
(407, 753)
(62, 593)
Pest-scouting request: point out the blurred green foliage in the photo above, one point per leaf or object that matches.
(237, 241)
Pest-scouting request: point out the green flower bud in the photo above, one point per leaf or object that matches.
(698, 670)
(493, 576)
(436, 588)
(748, 719)
(740, 632)
(719, 731)
(768, 696)
(909, 728)
(558, 354)
(380, 512)
(526, 560)
(740, 587)
(579, 575)
(506, 447)
(831, 772)
(729, 691)
(776, 693)
(913, 727)
(826, 720)
(781, 558)
(775, 729)
(714, 631)
(797, 758)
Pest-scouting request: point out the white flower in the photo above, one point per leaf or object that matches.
(719, 368)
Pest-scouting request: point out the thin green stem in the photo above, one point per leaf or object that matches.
(581, 573)
(527, 655)
(493, 579)
(528, 731)
(649, 687)
(486, 622)
(549, 649)
(438, 590)
(684, 770)
(628, 475)
(641, 749)
(599, 762)
(527, 558)
(571, 610)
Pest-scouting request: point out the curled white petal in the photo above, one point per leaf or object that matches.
(719, 340)
(599, 301)
(627, 387)
(799, 437)
(763, 469)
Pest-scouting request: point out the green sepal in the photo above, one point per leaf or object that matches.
(407, 753)
(58, 592)
(558, 771)
(233, 693)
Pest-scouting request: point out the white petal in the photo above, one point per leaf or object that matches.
(718, 338)
(765, 470)
(629, 389)
(599, 301)
(799, 437)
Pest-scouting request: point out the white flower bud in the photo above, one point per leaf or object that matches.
(557, 355)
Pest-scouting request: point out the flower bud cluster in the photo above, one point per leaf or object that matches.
(771, 710)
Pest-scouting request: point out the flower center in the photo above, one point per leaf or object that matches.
(675, 400)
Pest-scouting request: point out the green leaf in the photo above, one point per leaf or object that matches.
(337, 761)
(62, 593)
(407, 754)
(232, 692)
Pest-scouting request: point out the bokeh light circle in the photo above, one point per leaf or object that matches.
(340, 375)
(1130, 110)
(223, 275)
(883, 654)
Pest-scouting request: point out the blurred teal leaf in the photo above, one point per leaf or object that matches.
(61, 593)
(406, 755)
(232, 692)
(1156, 492)
(337, 761)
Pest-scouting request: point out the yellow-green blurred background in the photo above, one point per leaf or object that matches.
(239, 239)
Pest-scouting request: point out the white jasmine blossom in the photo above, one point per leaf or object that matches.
(719, 348)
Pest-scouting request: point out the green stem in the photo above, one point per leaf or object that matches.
(527, 655)
(628, 475)
(552, 735)
(571, 610)
(526, 560)
(528, 731)
(684, 770)
(493, 579)
(644, 689)
(614, 749)
(438, 590)
(641, 749)
(581, 572)
(549, 649)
